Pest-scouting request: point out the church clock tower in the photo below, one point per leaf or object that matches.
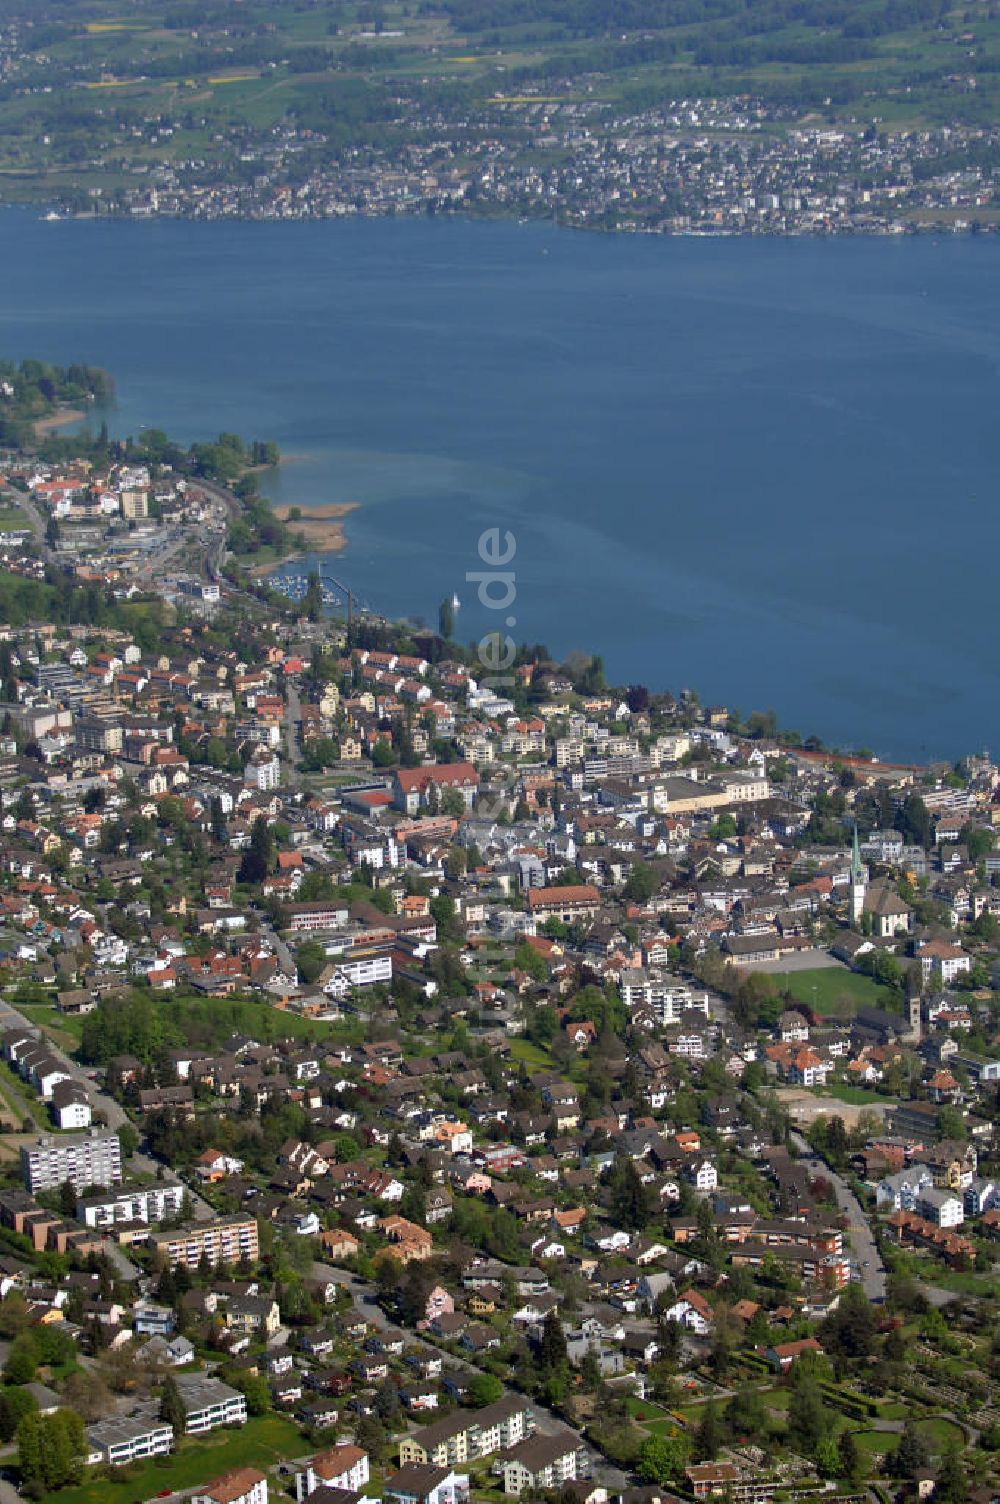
(859, 882)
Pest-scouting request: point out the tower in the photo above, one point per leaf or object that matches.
(856, 896)
(915, 1019)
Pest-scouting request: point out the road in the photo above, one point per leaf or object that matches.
(114, 1114)
(547, 1422)
(35, 520)
(293, 716)
(859, 1230)
(271, 937)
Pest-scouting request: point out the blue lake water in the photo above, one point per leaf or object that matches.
(765, 469)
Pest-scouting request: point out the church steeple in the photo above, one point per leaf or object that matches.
(859, 882)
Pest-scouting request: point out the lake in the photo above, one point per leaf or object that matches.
(760, 468)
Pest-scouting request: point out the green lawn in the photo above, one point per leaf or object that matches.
(526, 1053)
(875, 1443)
(833, 990)
(940, 1433)
(857, 1096)
(644, 1410)
(64, 1029)
(260, 1443)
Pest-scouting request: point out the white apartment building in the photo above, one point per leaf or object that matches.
(344, 1467)
(128, 1439)
(209, 1403)
(148, 1203)
(84, 1159)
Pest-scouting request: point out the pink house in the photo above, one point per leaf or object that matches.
(439, 1303)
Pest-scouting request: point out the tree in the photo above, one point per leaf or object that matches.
(746, 1415)
(849, 1331)
(453, 804)
(387, 1400)
(828, 1457)
(22, 1360)
(254, 1387)
(346, 1148)
(312, 601)
(370, 1436)
(446, 618)
(910, 1454)
(808, 1418)
(851, 1464)
(915, 821)
(631, 1201)
(87, 1394)
(528, 960)
(15, 1404)
(310, 959)
(484, 1389)
(50, 1450)
(952, 1485)
(709, 1435)
(662, 1459)
(172, 1406)
(642, 883)
(258, 858)
(552, 1347)
(950, 1122)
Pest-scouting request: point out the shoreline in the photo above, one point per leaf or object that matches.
(924, 220)
(60, 419)
(321, 527)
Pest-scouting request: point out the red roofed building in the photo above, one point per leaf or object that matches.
(784, 1354)
(411, 787)
(577, 901)
(345, 1467)
(244, 1485)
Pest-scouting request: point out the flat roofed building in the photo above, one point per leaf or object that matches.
(224, 1240)
(129, 1439)
(83, 1159)
(209, 1403)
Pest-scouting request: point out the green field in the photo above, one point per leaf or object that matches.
(940, 1433)
(260, 1443)
(875, 1443)
(835, 991)
(857, 1096)
(526, 1053)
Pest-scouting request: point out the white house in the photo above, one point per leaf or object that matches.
(541, 1463)
(344, 1467)
(704, 1175)
(244, 1485)
(951, 960)
(692, 1311)
(943, 1208)
(263, 770)
(900, 1192)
